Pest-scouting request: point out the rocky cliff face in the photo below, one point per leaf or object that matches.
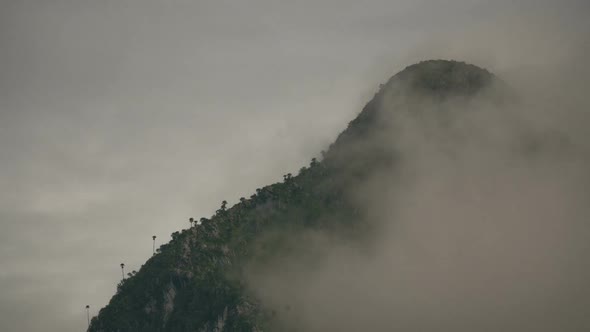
(196, 282)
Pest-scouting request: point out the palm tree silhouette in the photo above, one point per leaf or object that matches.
(88, 315)
(123, 271)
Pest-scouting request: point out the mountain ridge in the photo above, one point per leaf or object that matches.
(196, 281)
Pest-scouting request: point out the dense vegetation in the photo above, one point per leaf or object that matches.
(195, 282)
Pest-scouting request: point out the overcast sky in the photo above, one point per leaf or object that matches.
(121, 119)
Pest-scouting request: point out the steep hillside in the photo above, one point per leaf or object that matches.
(196, 282)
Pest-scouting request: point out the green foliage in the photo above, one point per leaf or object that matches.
(195, 282)
(201, 265)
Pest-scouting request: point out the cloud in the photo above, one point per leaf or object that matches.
(121, 119)
(481, 223)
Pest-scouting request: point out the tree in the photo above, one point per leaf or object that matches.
(88, 315)
(191, 220)
(222, 209)
(123, 271)
(154, 245)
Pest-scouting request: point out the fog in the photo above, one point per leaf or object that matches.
(121, 119)
(482, 221)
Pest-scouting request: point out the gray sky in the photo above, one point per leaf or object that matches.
(120, 119)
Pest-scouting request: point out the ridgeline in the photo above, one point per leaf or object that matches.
(196, 281)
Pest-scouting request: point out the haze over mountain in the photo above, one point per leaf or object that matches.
(414, 220)
(118, 119)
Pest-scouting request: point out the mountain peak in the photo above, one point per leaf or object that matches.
(446, 76)
(426, 81)
(198, 281)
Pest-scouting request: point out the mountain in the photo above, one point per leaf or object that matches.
(199, 280)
